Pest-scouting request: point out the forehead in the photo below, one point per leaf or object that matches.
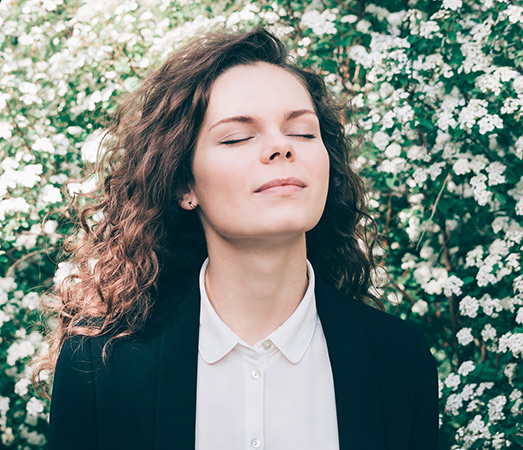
(256, 90)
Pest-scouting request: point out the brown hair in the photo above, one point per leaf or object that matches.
(145, 236)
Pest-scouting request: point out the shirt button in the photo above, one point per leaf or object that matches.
(267, 345)
(256, 443)
(255, 374)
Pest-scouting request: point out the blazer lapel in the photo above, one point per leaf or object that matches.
(358, 406)
(177, 370)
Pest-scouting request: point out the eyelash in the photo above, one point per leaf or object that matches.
(237, 141)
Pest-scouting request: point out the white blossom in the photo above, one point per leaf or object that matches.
(469, 306)
(34, 406)
(19, 350)
(4, 405)
(453, 381)
(464, 336)
(44, 144)
(91, 147)
(3, 318)
(5, 130)
(495, 408)
(454, 403)
(30, 301)
(11, 205)
(510, 371)
(466, 367)
(381, 140)
(452, 4)
(21, 387)
(320, 23)
(50, 194)
(63, 270)
(488, 332)
(420, 307)
(452, 285)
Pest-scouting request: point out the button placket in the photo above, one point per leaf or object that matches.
(254, 404)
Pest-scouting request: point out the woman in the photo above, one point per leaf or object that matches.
(210, 319)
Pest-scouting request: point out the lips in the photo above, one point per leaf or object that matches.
(281, 182)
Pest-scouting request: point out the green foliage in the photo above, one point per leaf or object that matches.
(438, 91)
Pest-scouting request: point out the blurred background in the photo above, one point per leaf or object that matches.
(435, 95)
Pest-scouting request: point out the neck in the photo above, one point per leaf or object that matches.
(254, 289)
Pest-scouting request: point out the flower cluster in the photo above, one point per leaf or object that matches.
(438, 97)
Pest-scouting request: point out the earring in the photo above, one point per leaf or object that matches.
(191, 205)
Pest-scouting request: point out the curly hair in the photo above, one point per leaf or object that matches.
(144, 237)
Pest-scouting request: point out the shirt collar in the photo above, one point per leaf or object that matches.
(292, 338)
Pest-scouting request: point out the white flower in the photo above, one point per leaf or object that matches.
(510, 371)
(44, 145)
(30, 300)
(514, 13)
(452, 285)
(351, 18)
(29, 175)
(464, 336)
(319, 23)
(466, 367)
(420, 307)
(83, 187)
(500, 223)
(19, 350)
(360, 55)
(4, 405)
(14, 204)
(469, 306)
(474, 110)
(50, 194)
(3, 318)
(454, 403)
(478, 429)
(34, 406)
(478, 163)
(5, 130)
(489, 122)
(427, 28)
(495, 408)
(21, 387)
(452, 4)
(488, 332)
(495, 171)
(519, 316)
(91, 146)
(513, 342)
(393, 150)
(64, 269)
(381, 140)
(452, 381)
(467, 393)
(461, 166)
(519, 207)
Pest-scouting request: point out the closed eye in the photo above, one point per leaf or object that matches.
(235, 141)
(306, 136)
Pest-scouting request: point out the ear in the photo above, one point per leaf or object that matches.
(188, 201)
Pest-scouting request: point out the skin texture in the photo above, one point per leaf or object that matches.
(260, 127)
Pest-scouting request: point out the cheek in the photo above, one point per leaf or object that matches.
(321, 167)
(217, 180)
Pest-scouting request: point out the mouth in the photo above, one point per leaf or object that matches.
(281, 183)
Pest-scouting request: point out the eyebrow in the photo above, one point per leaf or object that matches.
(248, 119)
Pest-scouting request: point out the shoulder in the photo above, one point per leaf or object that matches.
(390, 339)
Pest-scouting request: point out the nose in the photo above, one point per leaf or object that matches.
(280, 149)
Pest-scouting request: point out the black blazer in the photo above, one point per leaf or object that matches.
(144, 397)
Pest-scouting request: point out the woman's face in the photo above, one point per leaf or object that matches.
(261, 170)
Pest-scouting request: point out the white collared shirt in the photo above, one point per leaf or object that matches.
(275, 395)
